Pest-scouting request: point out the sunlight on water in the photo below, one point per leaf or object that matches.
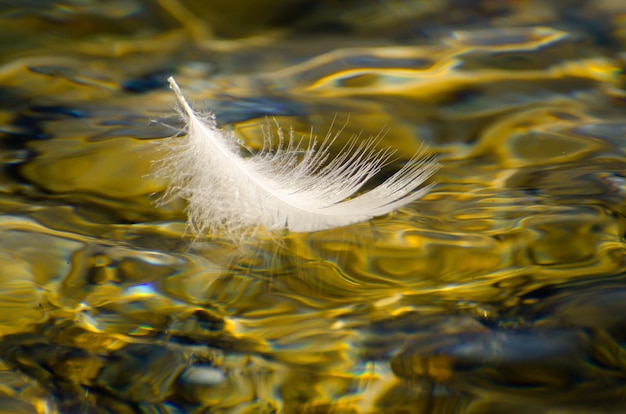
(500, 291)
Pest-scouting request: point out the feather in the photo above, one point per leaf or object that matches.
(296, 185)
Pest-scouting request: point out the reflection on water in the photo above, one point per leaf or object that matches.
(501, 291)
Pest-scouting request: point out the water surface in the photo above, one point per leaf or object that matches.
(501, 291)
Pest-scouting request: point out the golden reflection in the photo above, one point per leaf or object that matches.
(500, 290)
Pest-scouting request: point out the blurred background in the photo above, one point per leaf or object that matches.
(501, 291)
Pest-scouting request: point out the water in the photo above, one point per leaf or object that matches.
(500, 291)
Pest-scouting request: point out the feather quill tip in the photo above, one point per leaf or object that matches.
(297, 186)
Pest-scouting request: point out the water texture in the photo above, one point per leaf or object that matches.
(501, 291)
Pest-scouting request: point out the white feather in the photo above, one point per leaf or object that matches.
(294, 186)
